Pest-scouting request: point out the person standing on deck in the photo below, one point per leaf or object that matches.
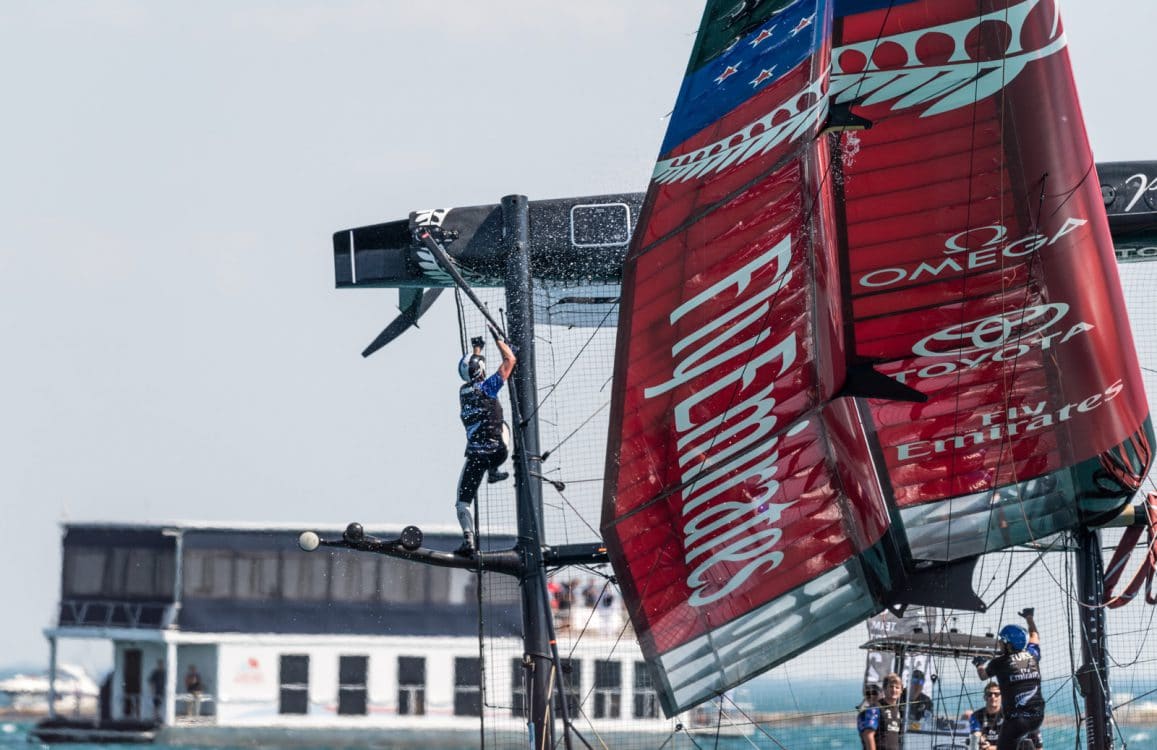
(157, 687)
(918, 702)
(871, 698)
(881, 725)
(1017, 670)
(481, 414)
(194, 686)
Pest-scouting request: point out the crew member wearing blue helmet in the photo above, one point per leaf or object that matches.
(482, 417)
(1017, 671)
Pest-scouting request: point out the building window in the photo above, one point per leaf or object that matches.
(517, 688)
(411, 685)
(305, 577)
(646, 700)
(140, 573)
(294, 678)
(256, 575)
(608, 689)
(571, 683)
(354, 578)
(467, 686)
(403, 582)
(208, 573)
(351, 685)
(84, 571)
(197, 573)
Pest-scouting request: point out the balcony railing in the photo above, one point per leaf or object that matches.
(121, 614)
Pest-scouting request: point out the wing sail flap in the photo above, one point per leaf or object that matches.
(750, 510)
(931, 284)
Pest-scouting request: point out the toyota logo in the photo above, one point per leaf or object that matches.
(993, 332)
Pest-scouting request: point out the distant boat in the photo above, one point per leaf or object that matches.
(76, 691)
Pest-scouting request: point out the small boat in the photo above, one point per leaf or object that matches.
(27, 693)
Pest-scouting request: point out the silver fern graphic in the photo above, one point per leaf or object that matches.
(757, 138)
(431, 269)
(958, 82)
(430, 217)
(1023, 698)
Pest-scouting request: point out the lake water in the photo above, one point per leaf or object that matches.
(836, 698)
(13, 736)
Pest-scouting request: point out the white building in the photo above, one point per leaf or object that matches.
(291, 644)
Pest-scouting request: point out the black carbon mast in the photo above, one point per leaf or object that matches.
(530, 559)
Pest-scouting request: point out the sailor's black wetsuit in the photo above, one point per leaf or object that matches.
(918, 707)
(1021, 701)
(989, 726)
(481, 415)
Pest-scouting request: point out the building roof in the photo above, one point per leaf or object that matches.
(328, 527)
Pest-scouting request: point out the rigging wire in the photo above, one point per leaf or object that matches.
(481, 631)
(595, 413)
(577, 513)
(1006, 443)
(550, 392)
(461, 319)
(1070, 640)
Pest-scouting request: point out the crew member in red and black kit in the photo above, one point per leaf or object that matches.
(1017, 671)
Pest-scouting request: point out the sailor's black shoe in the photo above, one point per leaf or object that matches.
(465, 549)
(497, 476)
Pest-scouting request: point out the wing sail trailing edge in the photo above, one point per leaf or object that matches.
(959, 247)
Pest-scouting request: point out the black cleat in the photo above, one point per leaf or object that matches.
(465, 549)
(497, 476)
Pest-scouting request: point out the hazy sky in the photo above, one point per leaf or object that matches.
(170, 175)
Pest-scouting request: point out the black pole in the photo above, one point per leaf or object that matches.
(1093, 674)
(535, 606)
(520, 319)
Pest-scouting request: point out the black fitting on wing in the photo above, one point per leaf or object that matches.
(865, 381)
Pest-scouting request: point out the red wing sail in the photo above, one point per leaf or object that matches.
(752, 499)
(981, 272)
